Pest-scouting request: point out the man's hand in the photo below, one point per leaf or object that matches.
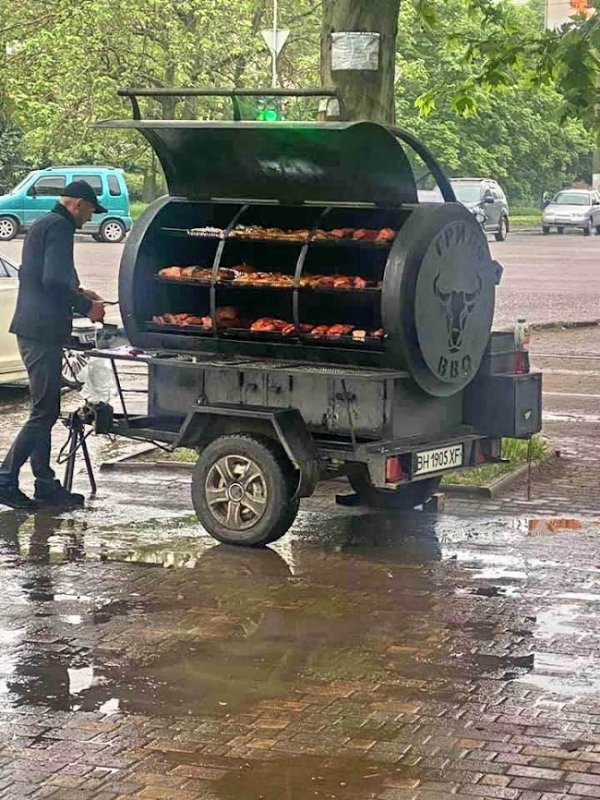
(90, 294)
(96, 312)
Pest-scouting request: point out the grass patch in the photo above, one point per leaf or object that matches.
(525, 221)
(136, 208)
(182, 454)
(525, 211)
(515, 450)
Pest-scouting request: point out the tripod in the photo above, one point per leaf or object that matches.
(76, 440)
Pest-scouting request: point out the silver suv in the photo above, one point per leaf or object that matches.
(485, 198)
(573, 208)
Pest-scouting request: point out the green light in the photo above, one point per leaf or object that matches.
(269, 111)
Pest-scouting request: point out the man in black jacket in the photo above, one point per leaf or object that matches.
(49, 293)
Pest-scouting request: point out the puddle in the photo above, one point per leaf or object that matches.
(554, 525)
(310, 777)
(154, 618)
(565, 675)
(557, 621)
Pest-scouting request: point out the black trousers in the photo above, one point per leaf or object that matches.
(43, 362)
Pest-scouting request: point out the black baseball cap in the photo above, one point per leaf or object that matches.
(83, 190)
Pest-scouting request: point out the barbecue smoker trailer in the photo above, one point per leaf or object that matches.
(302, 316)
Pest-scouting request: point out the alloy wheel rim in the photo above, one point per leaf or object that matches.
(6, 228)
(113, 231)
(236, 492)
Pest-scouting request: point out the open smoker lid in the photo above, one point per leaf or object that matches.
(359, 162)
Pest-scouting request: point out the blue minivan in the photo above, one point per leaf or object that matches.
(39, 191)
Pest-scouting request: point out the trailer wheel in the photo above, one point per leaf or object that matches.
(242, 490)
(401, 499)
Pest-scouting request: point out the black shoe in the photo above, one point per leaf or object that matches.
(53, 494)
(15, 498)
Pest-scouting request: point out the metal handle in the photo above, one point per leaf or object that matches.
(429, 160)
(134, 93)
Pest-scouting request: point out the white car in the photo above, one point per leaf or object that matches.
(11, 367)
(573, 208)
(12, 370)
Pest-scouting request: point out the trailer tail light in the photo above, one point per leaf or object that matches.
(521, 362)
(480, 456)
(487, 451)
(393, 470)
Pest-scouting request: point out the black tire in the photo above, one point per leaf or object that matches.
(9, 228)
(502, 231)
(545, 230)
(403, 498)
(97, 238)
(112, 231)
(73, 362)
(255, 519)
(587, 231)
(560, 230)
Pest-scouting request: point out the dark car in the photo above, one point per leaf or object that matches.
(485, 198)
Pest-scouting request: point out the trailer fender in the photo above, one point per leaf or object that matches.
(206, 422)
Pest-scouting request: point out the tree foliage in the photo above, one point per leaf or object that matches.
(516, 132)
(479, 80)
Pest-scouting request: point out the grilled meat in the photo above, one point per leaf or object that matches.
(340, 330)
(269, 324)
(226, 314)
(301, 235)
(170, 272)
(228, 317)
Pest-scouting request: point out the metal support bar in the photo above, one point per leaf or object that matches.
(429, 160)
(300, 268)
(119, 389)
(134, 93)
(77, 439)
(350, 420)
(217, 263)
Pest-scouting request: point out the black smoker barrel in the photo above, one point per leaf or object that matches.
(305, 241)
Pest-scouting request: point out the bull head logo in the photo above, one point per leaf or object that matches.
(458, 307)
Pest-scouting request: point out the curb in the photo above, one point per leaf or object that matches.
(492, 489)
(547, 326)
(119, 461)
(146, 466)
(553, 326)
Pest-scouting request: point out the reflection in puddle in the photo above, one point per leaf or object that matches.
(556, 621)
(554, 525)
(306, 777)
(565, 675)
(160, 620)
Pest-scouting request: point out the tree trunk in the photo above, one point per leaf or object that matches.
(368, 94)
(150, 188)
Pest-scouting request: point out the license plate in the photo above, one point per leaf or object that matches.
(439, 459)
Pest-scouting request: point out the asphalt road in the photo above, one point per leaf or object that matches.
(372, 656)
(546, 278)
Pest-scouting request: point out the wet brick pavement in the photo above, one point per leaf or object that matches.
(389, 657)
(363, 657)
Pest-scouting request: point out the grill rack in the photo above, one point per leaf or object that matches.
(221, 284)
(227, 237)
(369, 342)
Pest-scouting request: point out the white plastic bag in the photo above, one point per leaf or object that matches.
(98, 381)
